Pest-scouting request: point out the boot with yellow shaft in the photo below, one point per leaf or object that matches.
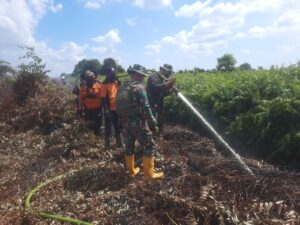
(148, 162)
(130, 165)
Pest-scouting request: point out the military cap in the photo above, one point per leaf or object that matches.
(137, 69)
(167, 67)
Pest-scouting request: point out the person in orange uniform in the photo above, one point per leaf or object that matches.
(90, 101)
(108, 95)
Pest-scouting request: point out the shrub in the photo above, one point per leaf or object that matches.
(259, 110)
(29, 77)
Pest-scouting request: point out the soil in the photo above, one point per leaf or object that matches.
(201, 186)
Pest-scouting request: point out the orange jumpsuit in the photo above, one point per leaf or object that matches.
(108, 94)
(90, 101)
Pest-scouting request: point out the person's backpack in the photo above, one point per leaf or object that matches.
(126, 102)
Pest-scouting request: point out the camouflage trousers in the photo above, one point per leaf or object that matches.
(137, 130)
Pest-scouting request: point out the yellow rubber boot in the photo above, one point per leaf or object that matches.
(148, 163)
(130, 165)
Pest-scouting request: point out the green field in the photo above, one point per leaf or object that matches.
(256, 110)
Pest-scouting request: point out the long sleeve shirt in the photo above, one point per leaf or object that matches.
(139, 100)
(142, 99)
(156, 91)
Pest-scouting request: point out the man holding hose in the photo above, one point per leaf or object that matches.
(158, 87)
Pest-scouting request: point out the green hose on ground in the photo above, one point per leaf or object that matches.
(54, 216)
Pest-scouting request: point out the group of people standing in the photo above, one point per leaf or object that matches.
(97, 99)
(130, 108)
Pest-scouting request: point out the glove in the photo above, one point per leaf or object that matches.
(171, 82)
(156, 130)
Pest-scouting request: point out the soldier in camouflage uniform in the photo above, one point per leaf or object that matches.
(135, 114)
(159, 85)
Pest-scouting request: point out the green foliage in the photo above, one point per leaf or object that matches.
(120, 69)
(198, 70)
(226, 63)
(260, 109)
(30, 76)
(87, 64)
(245, 66)
(34, 64)
(6, 69)
(108, 63)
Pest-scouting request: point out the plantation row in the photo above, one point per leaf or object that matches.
(259, 111)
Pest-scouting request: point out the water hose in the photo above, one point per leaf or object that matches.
(51, 215)
(210, 127)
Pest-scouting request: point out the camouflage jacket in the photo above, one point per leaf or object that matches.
(141, 101)
(156, 91)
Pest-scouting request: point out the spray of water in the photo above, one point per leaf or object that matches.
(194, 110)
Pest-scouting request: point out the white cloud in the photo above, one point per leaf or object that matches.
(290, 48)
(152, 4)
(19, 18)
(145, 4)
(246, 51)
(239, 35)
(98, 4)
(110, 38)
(191, 10)
(40, 7)
(290, 19)
(57, 60)
(131, 21)
(94, 4)
(107, 42)
(258, 31)
(63, 58)
(152, 48)
(169, 40)
(287, 22)
(18, 21)
(101, 50)
(56, 8)
(222, 22)
(198, 40)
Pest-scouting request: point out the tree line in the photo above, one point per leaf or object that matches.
(225, 63)
(95, 66)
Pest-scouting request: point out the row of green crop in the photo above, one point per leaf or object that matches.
(258, 109)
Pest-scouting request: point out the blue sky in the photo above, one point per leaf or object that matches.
(186, 34)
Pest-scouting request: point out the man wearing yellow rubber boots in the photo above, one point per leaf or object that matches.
(135, 114)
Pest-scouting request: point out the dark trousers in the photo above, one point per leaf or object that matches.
(159, 116)
(160, 121)
(112, 120)
(94, 118)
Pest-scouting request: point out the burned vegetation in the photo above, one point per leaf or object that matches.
(43, 139)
